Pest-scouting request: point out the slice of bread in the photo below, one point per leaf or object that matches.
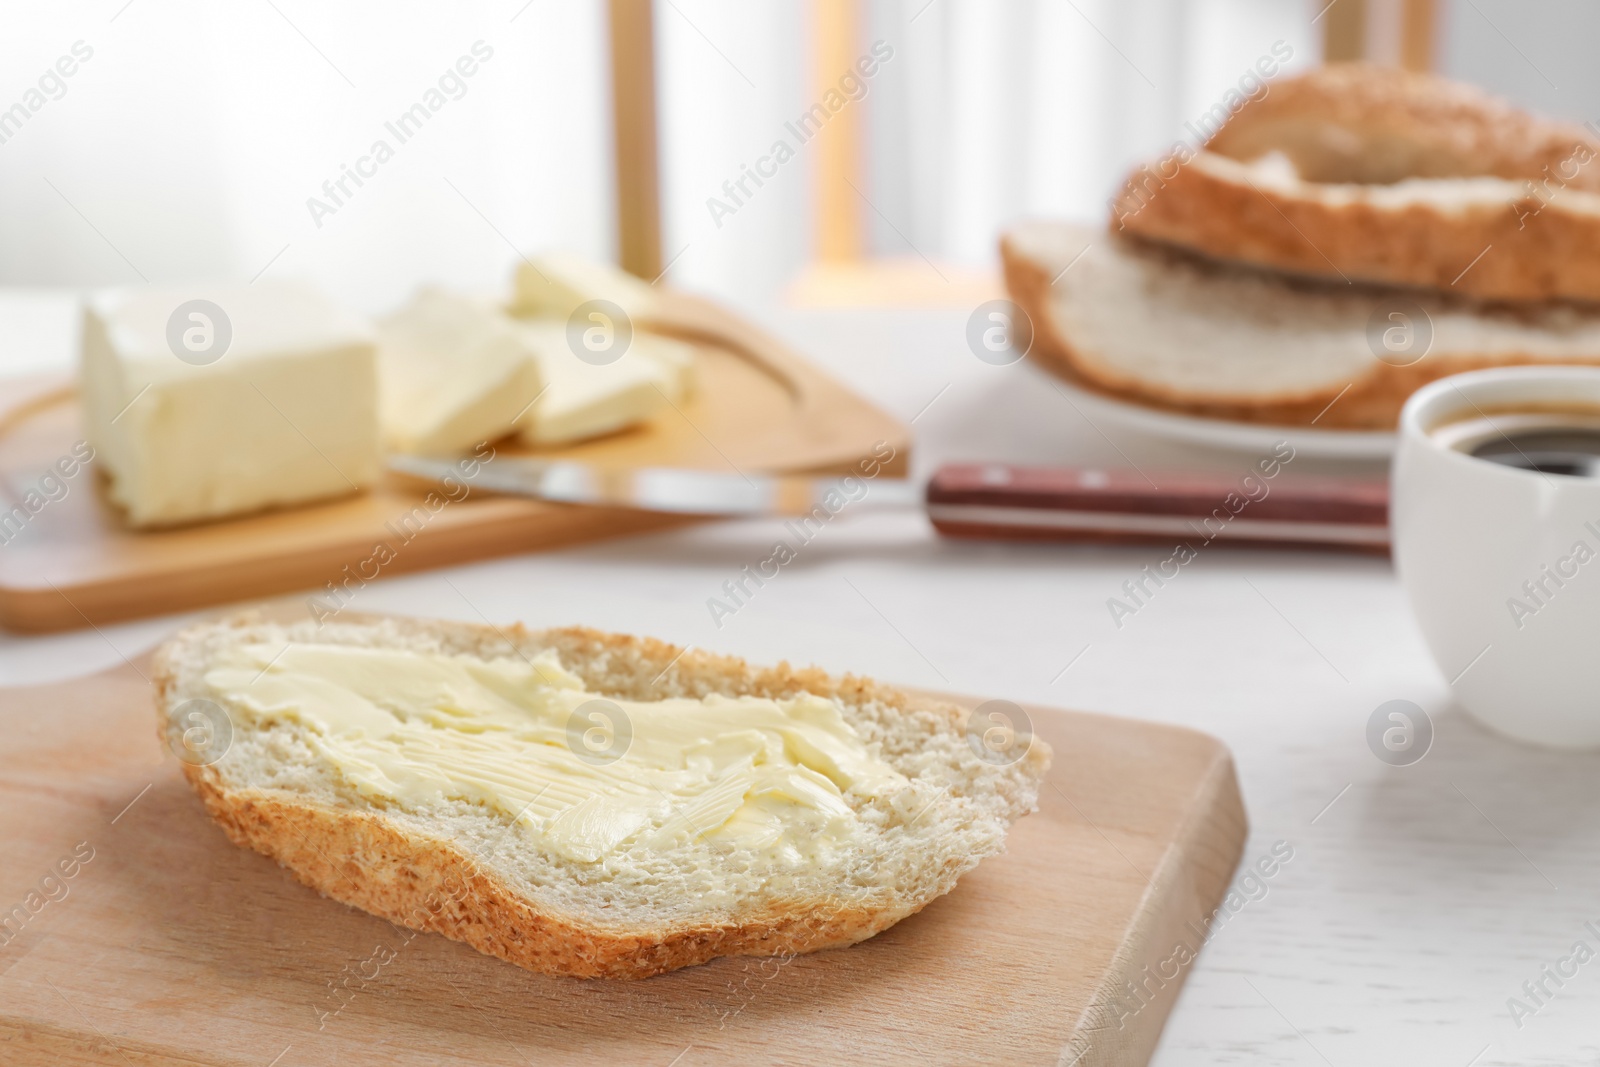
(463, 869)
(1367, 173)
(1144, 322)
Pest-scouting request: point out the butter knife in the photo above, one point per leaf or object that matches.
(987, 500)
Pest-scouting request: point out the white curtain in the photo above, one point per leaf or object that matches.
(188, 144)
(988, 111)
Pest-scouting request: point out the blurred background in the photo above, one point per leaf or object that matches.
(189, 143)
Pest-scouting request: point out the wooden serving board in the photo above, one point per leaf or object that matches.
(171, 946)
(758, 407)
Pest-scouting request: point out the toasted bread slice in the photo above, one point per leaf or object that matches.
(1140, 321)
(463, 868)
(1364, 173)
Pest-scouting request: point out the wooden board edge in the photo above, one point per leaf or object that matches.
(1169, 930)
(29, 394)
(37, 1044)
(1183, 895)
(825, 402)
(52, 610)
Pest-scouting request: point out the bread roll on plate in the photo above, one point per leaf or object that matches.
(1355, 172)
(1144, 322)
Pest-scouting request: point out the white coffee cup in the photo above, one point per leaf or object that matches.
(1502, 565)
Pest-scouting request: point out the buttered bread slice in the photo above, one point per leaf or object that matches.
(580, 803)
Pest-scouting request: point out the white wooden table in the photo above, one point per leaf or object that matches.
(1419, 899)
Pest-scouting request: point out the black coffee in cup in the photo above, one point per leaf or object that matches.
(1545, 441)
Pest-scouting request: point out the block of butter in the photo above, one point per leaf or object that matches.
(553, 286)
(453, 372)
(676, 357)
(583, 399)
(203, 402)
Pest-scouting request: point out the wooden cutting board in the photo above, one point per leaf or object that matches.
(758, 408)
(171, 946)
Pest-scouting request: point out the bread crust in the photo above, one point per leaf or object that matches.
(1395, 124)
(1516, 250)
(1372, 401)
(428, 883)
(1354, 130)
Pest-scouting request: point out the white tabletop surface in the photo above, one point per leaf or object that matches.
(1419, 899)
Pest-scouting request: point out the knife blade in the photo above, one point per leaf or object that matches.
(668, 489)
(987, 501)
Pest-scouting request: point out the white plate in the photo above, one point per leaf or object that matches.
(1234, 436)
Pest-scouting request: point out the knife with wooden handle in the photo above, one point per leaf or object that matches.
(988, 500)
(1092, 504)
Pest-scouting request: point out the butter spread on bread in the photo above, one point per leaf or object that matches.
(450, 778)
(519, 735)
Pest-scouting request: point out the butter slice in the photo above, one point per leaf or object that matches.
(583, 775)
(555, 285)
(454, 372)
(583, 400)
(676, 357)
(286, 414)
